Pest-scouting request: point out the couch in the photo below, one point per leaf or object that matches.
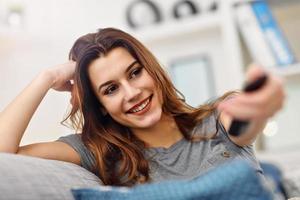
(24, 177)
(288, 162)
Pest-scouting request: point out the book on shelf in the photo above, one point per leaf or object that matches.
(287, 16)
(262, 34)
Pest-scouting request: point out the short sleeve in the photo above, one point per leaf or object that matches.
(212, 125)
(87, 159)
(246, 152)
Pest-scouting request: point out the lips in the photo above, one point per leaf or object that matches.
(140, 106)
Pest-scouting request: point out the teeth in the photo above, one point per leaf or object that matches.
(141, 107)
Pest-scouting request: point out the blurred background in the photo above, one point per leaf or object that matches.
(205, 45)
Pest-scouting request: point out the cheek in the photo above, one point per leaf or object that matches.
(160, 97)
(151, 84)
(158, 93)
(112, 105)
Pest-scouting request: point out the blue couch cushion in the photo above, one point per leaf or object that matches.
(231, 181)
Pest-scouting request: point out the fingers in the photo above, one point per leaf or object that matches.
(67, 87)
(239, 109)
(68, 70)
(272, 90)
(260, 104)
(254, 72)
(63, 74)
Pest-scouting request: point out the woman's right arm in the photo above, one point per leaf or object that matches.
(15, 118)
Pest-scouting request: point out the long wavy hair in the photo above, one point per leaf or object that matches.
(118, 153)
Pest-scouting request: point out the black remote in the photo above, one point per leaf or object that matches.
(237, 127)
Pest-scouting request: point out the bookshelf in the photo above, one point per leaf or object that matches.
(217, 35)
(210, 34)
(291, 71)
(285, 138)
(222, 24)
(197, 24)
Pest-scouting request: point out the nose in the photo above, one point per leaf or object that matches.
(131, 92)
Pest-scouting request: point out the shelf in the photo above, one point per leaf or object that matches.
(289, 71)
(202, 23)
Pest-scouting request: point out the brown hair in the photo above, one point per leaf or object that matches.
(118, 153)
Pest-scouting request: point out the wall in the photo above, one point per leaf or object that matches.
(50, 28)
(48, 31)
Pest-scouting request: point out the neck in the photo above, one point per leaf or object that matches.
(164, 134)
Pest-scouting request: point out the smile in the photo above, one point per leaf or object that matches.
(142, 107)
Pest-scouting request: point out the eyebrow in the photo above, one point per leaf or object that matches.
(109, 82)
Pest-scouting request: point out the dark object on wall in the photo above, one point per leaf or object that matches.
(150, 14)
(214, 6)
(179, 9)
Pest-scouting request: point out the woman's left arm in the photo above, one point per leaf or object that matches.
(256, 107)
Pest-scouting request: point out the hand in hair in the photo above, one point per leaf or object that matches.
(63, 75)
(21, 109)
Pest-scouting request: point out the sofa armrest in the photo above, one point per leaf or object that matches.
(25, 177)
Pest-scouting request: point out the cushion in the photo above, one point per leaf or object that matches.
(25, 177)
(231, 181)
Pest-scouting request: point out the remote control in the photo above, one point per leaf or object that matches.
(237, 127)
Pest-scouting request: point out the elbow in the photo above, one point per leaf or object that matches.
(11, 150)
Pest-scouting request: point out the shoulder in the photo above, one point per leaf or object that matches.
(215, 127)
(75, 141)
(71, 137)
(207, 126)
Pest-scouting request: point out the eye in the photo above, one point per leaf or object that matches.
(136, 72)
(110, 90)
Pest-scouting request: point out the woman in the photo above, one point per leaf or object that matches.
(135, 126)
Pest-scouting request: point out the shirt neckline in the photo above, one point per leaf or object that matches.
(166, 149)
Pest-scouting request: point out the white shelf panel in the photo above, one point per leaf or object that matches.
(289, 71)
(165, 30)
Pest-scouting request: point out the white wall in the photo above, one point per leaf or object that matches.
(50, 28)
(287, 137)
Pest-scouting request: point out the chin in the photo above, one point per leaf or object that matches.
(150, 121)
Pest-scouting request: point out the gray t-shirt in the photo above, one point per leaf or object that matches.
(184, 159)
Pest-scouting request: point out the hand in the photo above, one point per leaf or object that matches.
(257, 105)
(63, 75)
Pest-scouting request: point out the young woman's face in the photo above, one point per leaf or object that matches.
(126, 90)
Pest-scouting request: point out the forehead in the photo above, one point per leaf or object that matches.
(116, 58)
(109, 66)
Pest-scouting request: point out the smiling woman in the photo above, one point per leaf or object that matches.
(135, 125)
(118, 77)
(127, 89)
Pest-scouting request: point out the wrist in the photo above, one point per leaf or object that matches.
(48, 75)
